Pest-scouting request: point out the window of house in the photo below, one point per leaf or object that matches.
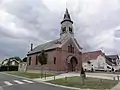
(54, 60)
(29, 60)
(36, 60)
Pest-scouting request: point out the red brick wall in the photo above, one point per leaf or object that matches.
(50, 61)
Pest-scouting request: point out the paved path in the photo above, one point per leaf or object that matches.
(117, 87)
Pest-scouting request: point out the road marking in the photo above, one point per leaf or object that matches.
(27, 81)
(19, 82)
(8, 83)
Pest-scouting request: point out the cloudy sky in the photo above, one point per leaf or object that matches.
(96, 24)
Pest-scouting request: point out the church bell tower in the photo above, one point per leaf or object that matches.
(66, 26)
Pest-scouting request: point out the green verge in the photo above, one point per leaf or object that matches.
(91, 83)
(29, 75)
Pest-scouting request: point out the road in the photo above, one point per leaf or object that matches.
(8, 82)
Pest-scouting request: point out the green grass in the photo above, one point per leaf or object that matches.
(91, 83)
(29, 75)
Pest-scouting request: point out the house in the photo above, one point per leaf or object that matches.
(10, 62)
(113, 60)
(97, 60)
(63, 54)
(94, 60)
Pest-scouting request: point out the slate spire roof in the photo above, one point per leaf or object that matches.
(67, 17)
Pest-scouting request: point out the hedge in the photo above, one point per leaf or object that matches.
(9, 68)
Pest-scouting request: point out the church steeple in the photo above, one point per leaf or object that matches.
(66, 25)
(66, 17)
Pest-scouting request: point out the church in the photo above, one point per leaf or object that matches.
(63, 54)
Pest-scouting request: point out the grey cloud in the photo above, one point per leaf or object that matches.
(43, 25)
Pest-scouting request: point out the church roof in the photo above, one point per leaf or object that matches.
(52, 45)
(49, 45)
(45, 46)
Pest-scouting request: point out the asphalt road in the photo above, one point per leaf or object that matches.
(8, 82)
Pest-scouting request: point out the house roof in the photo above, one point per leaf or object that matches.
(113, 57)
(91, 55)
(4, 62)
(109, 59)
(52, 45)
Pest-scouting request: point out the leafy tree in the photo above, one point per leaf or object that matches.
(42, 59)
(24, 59)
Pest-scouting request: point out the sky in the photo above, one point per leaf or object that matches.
(96, 24)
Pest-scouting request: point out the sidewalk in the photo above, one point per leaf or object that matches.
(57, 77)
(94, 75)
(117, 87)
(45, 71)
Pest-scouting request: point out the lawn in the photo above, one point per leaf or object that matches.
(29, 75)
(91, 83)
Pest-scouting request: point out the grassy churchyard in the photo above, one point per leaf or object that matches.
(91, 83)
(30, 75)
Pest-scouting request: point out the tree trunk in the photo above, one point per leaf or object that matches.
(41, 71)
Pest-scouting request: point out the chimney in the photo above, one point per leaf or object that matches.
(31, 46)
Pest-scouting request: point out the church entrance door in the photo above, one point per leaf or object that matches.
(72, 63)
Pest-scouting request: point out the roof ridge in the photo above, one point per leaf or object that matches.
(45, 43)
(93, 51)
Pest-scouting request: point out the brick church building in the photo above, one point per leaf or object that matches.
(63, 54)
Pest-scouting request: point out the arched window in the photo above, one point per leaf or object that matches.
(70, 29)
(64, 29)
(70, 49)
(29, 60)
(36, 60)
(54, 60)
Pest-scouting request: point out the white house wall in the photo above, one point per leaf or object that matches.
(99, 63)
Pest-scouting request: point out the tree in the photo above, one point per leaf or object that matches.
(25, 59)
(83, 75)
(42, 59)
